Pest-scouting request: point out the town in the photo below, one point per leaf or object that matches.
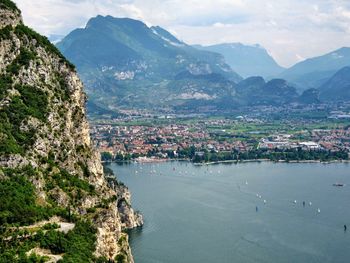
(217, 139)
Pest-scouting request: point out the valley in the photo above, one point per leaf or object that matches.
(279, 134)
(124, 63)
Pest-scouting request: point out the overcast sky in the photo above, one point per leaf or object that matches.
(291, 30)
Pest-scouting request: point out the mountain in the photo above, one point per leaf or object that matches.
(202, 93)
(255, 91)
(337, 88)
(247, 60)
(314, 72)
(310, 96)
(250, 86)
(56, 202)
(123, 62)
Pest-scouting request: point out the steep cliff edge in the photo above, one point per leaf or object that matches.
(47, 165)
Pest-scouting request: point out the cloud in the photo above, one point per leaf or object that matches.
(289, 29)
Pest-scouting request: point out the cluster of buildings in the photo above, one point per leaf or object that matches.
(286, 145)
(159, 140)
(216, 135)
(318, 139)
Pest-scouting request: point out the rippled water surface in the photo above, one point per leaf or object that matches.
(208, 213)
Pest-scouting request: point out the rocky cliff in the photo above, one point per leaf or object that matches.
(44, 139)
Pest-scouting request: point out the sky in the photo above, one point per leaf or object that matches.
(291, 30)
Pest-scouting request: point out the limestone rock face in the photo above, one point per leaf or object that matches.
(51, 134)
(9, 16)
(129, 217)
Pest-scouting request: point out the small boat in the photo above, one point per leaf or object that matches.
(318, 210)
(310, 203)
(264, 201)
(338, 185)
(295, 201)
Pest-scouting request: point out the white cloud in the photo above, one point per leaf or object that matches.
(289, 29)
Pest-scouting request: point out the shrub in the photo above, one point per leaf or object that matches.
(24, 31)
(50, 226)
(17, 202)
(121, 258)
(33, 102)
(22, 60)
(77, 245)
(5, 33)
(8, 4)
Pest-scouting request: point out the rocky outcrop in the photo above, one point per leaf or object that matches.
(129, 217)
(111, 242)
(44, 126)
(9, 14)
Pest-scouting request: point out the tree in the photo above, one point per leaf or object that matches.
(106, 156)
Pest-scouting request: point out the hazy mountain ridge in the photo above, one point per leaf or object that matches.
(313, 72)
(337, 88)
(123, 61)
(247, 60)
(256, 91)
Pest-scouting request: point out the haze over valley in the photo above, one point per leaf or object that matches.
(123, 62)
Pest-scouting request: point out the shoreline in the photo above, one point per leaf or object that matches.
(268, 160)
(153, 160)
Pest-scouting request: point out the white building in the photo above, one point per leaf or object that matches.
(310, 145)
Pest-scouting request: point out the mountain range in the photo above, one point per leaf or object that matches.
(256, 91)
(247, 60)
(337, 88)
(314, 72)
(126, 64)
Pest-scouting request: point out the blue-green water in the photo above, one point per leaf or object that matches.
(208, 213)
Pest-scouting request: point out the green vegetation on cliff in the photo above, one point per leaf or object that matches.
(31, 102)
(17, 202)
(77, 245)
(23, 31)
(5, 33)
(53, 194)
(8, 4)
(36, 183)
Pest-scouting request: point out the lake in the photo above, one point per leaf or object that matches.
(248, 212)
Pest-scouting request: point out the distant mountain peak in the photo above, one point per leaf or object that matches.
(247, 60)
(313, 72)
(337, 88)
(253, 80)
(336, 55)
(167, 36)
(125, 63)
(104, 20)
(255, 91)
